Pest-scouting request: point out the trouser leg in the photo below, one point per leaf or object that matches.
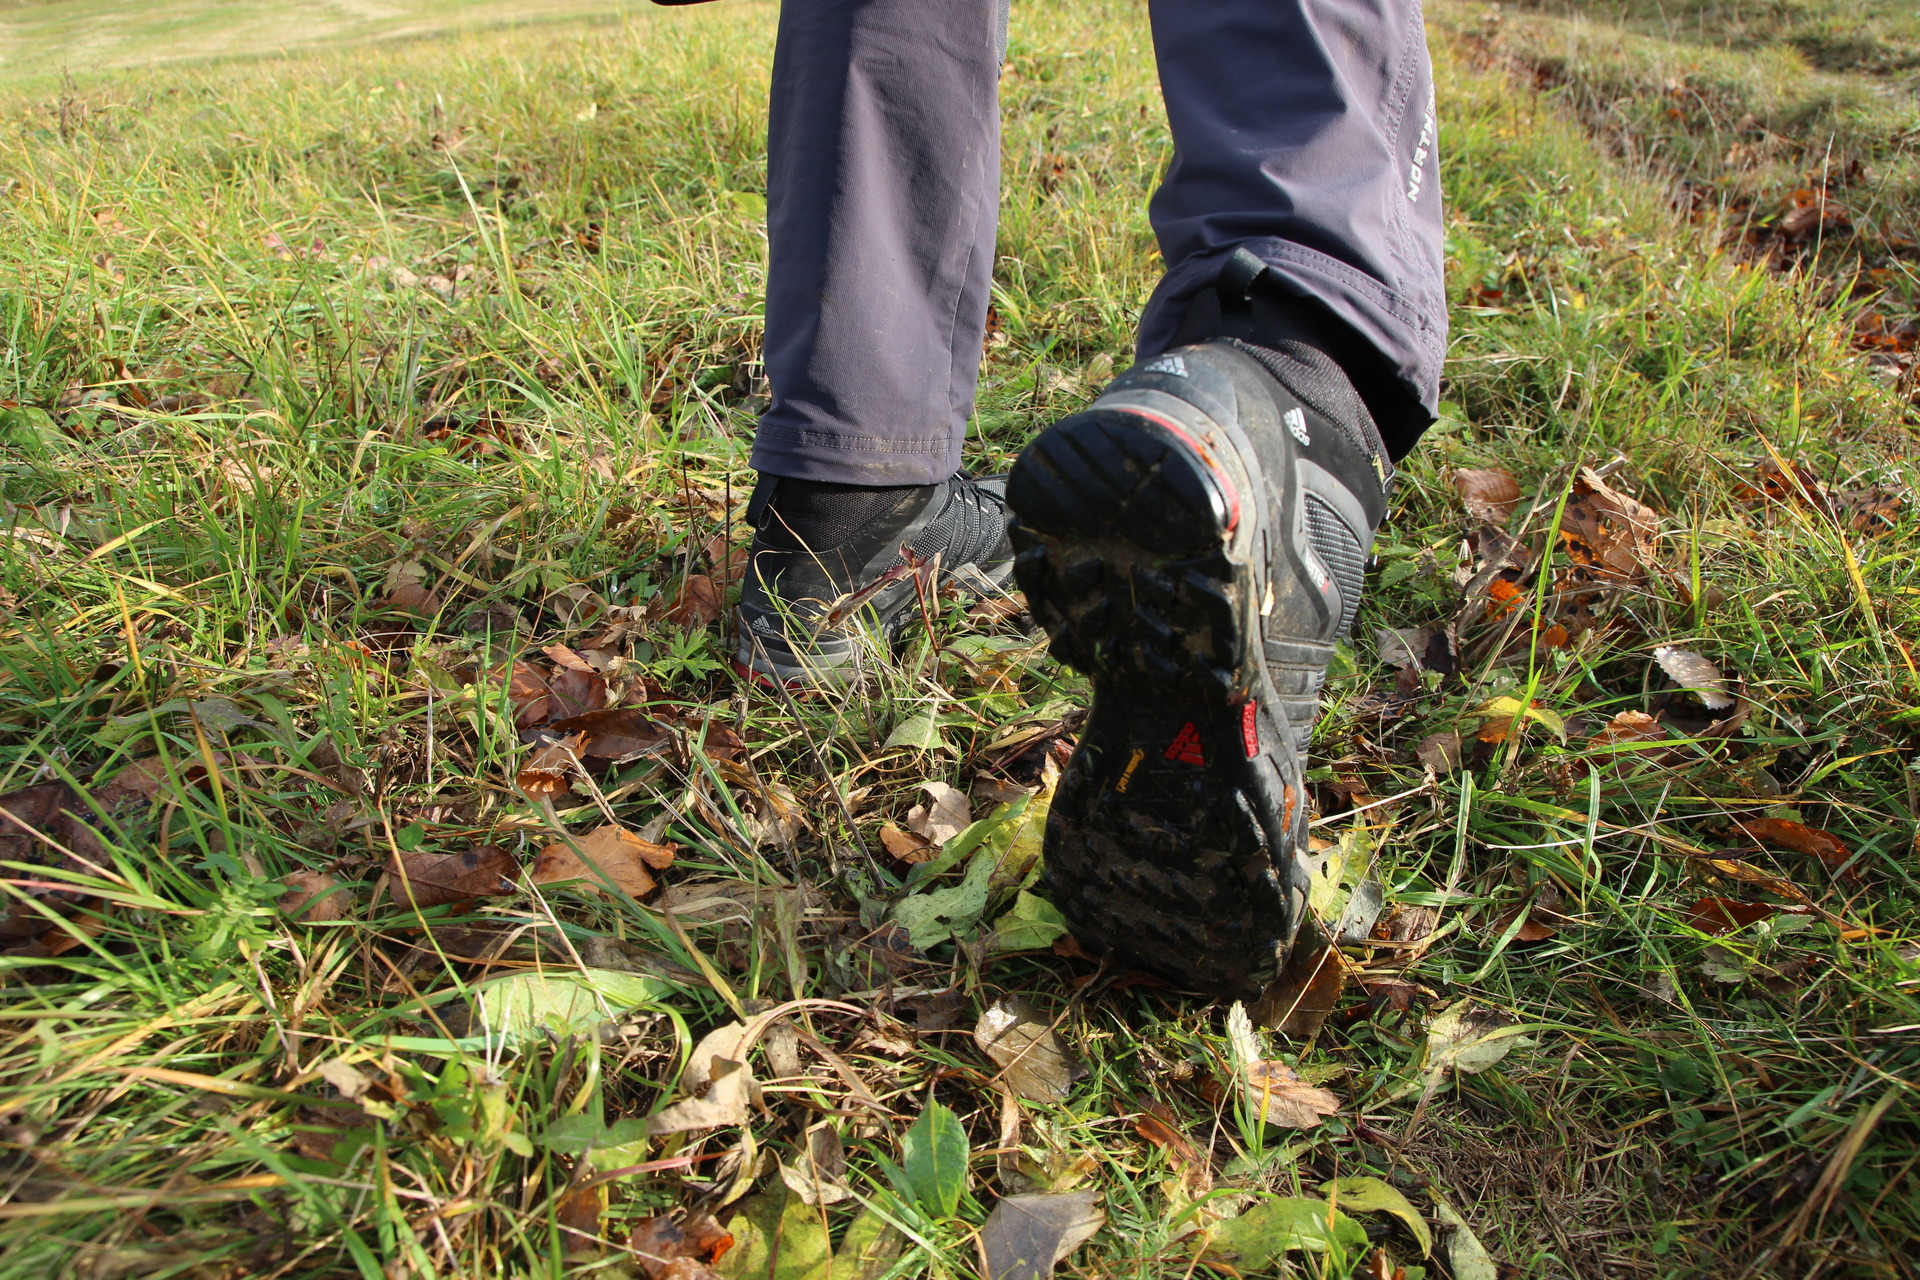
(1304, 131)
(882, 196)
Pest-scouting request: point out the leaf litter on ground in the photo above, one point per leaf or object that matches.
(1034, 1061)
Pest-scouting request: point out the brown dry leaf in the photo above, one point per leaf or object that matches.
(616, 735)
(580, 1209)
(1724, 915)
(544, 775)
(1157, 1125)
(1034, 1061)
(945, 815)
(431, 879)
(1279, 1093)
(576, 692)
(905, 845)
(1298, 1002)
(313, 897)
(610, 853)
(1607, 532)
(1026, 1235)
(528, 694)
(407, 588)
(1800, 838)
(778, 818)
(1691, 671)
(1404, 935)
(569, 660)
(1440, 752)
(697, 604)
(667, 1250)
(44, 825)
(933, 1010)
(1492, 496)
(141, 780)
(729, 1089)
(1629, 727)
(818, 1174)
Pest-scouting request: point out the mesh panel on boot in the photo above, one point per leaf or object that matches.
(1340, 551)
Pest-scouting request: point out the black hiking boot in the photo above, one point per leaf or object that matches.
(828, 576)
(1195, 541)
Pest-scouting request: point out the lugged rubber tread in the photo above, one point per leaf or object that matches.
(1148, 538)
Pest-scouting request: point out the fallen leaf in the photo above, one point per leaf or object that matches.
(580, 1208)
(778, 1237)
(724, 1103)
(1034, 1061)
(934, 1010)
(222, 716)
(433, 879)
(1262, 1235)
(1298, 1002)
(605, 853)
(313, 897)
(1724, 915)
(1629, 727)
(1032, 924)
(1156, 1125)
(1487, 495)
(561, 1002)
(668, 1250)
(1544, 918)
(818, 1174)
(697, 604)
(1440, 752)
(617, 735)
(1373, 1195)
(1281, 1097)
(567, 658)
(1505, 714)
(140, 780)
(407, 588)
(544, 775)
(1799, 838)
(576, 693)
(1608, 535)
(1691, 671)
(528, 695)
(905, 845)
(1467, 1258)
(945, 815)
(1467, 1040)
(1025, 1236)
(778, 817)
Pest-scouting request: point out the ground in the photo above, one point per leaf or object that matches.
(384, 827)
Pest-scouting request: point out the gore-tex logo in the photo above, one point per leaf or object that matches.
(1185, 747)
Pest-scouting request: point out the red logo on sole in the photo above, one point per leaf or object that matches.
(1185, 746)
(1250, 727)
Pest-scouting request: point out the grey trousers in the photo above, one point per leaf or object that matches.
(1303, 130)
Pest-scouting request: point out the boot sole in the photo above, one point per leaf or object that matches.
(1160, 843)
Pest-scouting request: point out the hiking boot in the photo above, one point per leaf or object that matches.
(1195, 542)
(829, 573)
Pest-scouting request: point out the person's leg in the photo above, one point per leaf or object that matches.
(1196, 539)
(883, 177)
(882, 194)
(1304, 132)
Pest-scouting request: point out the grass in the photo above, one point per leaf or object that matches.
(338, 381)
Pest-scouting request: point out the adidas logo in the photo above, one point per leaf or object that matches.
(1185, 747)
(1175, 365)
(1297, 424)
